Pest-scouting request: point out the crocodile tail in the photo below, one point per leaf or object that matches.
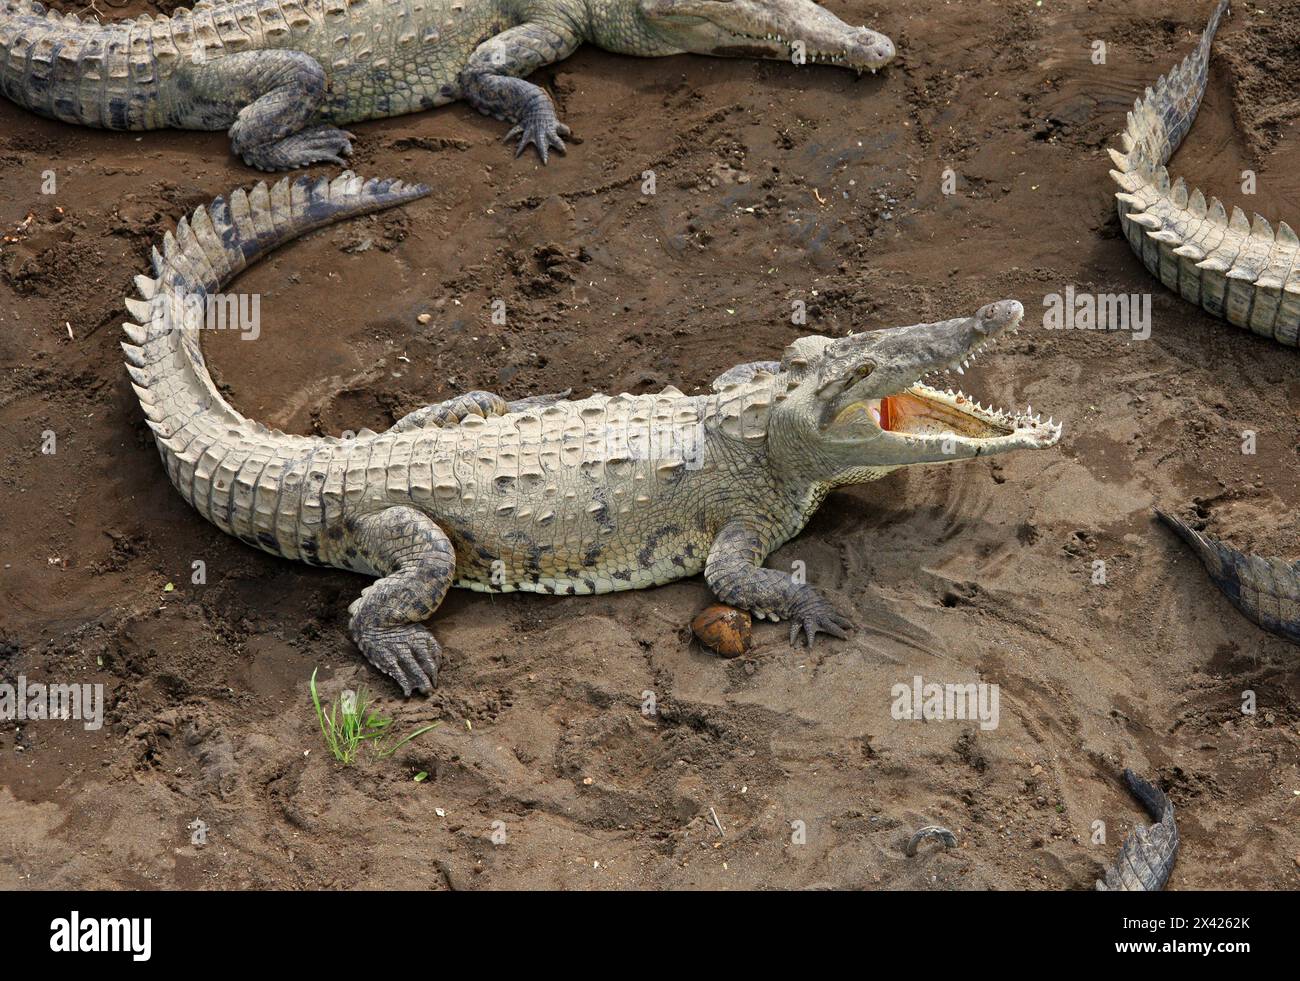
(1266, 590)
(1147, 857)
(1163, 116)
(198, 433)
(1236, 267)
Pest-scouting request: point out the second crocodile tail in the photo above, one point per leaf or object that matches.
(1266, 590)
(1235, 267)
(1147, 857)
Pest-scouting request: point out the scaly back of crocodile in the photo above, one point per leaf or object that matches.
(1236, 268)
(110, 75)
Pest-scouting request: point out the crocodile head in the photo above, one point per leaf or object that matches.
(856, 407)
(755, 29)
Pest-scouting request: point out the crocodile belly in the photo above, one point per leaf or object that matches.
(576, 565)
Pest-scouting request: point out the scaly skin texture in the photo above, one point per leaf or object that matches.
(546, 494)
(1237, 269)
(282, 75)
(1266, 590)
(1147, 857)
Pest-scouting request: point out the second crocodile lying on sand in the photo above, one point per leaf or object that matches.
(550, 495)
(283, 75)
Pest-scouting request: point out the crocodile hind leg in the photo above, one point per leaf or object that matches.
(417, 563)
(735, 573)
(269, 100)
(492, 82)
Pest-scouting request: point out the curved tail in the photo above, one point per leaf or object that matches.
(1235, 267)
(260, 485)
(1266, 590)
(1147, 857)
(1161, 119)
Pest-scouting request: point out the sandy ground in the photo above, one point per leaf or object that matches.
(775, 183)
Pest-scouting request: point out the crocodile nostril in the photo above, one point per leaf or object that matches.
(883, 49)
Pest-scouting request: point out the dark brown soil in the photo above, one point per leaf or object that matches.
(774, 183)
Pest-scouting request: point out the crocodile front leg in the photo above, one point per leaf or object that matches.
(735, 573)
(417, 563)
(268, 99)
(492, 82)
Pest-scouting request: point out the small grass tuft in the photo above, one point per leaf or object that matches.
(352, 721)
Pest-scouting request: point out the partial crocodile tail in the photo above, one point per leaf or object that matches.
(1236, 268)
(1147, 857)
(1266, 590)
(1161, 119)
(249, 481)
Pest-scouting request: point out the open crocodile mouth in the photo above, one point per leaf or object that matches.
(921, 416)
(922, 411)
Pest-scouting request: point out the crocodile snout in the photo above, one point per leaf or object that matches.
(879, 49)
(998, 316)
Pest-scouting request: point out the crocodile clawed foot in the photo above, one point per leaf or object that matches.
(813, 615)
(321, 144)
(543, 131)
(408, 654)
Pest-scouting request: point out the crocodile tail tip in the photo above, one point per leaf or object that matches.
(1181, 527)
(1152, 797)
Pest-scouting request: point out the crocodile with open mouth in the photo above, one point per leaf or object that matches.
(548, 494)
(283, 75)
(1235, 267)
